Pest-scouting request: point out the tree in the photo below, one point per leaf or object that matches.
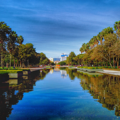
(4, 33)
(20, 40)
(117, 27)
(26, 52)
(11, 44)
(43, 59)
(71, 58)
(95, 40)
(62, 63)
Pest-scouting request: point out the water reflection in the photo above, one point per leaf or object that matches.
(12, 91)
(104, 88)
(71, 73)
(63, 73)
(54, 97)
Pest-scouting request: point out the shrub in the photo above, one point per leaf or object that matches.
(62, 63)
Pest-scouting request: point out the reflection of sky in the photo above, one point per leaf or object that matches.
(59, 26)
(55, 98)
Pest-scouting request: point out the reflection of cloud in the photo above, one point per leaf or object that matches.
(63, 73)
(51, 71)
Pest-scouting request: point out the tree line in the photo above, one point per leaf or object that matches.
(14, 53)
(101, 50)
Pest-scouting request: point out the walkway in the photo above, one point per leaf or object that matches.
(111, 72)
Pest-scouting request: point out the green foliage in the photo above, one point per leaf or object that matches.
(62, 63)
(43, 59)
(20, 39)
(71, 59)
(21, 53)
(103, 48)
(26, 51)
(90, 67)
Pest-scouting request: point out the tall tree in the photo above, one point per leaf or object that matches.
(11, 44)
(26, 52)
(4, 33)
(71, 58)
(117, 27)
(43, 59)
(20, 40)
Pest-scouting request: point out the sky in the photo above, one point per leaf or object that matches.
(59, 26)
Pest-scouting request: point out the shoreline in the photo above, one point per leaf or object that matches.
(105, 71)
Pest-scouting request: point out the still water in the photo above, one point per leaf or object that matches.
(60, 95)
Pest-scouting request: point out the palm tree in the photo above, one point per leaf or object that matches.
(100, 37)
(83, 46)
(81, 50)
(87, 47)
(11, 44)
(20, 40)
(91, 43)
(95, 40)
(117, 27)
(107, 31)
(4, 33)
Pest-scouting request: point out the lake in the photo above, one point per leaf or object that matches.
(60, 95)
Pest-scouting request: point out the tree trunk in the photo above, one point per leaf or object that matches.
(17, 63)
(110, 59)
(20, 63)
(14, 62)
(113, 63)
(1, 60)
(118, 62)
(10, 60)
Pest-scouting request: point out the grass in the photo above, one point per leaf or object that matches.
(98, 67)
(85, 67)
(9, 71)
(11, 68)
(47, 66)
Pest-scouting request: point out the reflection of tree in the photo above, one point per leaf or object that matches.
(10, 95)
(43, 73)
(7, 99)
(105, 89)
(70, 72)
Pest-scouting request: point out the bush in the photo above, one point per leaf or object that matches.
(5, 68)
(79, 67)
(62, 63)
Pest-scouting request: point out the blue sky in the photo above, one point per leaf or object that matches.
(59, 26)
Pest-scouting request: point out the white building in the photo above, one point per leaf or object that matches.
(63, 57)
(51, 59)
